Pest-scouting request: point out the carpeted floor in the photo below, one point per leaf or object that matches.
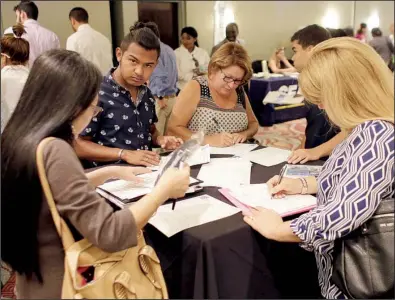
(288, 135)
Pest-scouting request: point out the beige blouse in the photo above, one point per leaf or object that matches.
(89, 214)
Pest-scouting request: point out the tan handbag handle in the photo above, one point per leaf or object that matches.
(61, 226)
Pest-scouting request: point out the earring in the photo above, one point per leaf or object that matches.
(73, 132)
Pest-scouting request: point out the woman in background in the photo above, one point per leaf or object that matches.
(14, 70)
(362, 33)
(217, 104)
(59, 100)
(192, 61)
(357, 92)
(278, 60)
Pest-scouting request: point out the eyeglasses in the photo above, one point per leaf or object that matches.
(96, 110)
(229, 79)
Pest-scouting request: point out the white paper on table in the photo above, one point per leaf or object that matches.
(225, 172)
(190, 213)
(258, 195)
(128, 189)
(237, 150)
(201, 156)
(268, 156)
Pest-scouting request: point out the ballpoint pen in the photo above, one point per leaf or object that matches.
(219, 125)
(282, 172)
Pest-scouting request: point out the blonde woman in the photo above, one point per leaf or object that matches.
(357, 92)
(217, 104)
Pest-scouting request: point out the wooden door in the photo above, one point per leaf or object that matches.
(165, 15)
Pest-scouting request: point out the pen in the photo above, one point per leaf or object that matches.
(219, 125)
(282, 172)
(174, 204)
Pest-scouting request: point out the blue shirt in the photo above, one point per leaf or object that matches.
(163, 81)
(351, 185)
(122, 124)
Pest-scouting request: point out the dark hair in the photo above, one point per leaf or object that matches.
(192, 32)
(60, 86)
(29, 7)
(337, 32)
(15, 46)
(142, 35)
(232, 25)
(150, 25)
(376, 32)
(361, 27)
(311, 35)
(349, 31)
(79, 14)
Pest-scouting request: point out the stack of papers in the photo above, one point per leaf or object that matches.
(297, 171)
(225, 172)
(255, 195)
(120, 192)
(190, 213)
(236, 150)
(268, 156)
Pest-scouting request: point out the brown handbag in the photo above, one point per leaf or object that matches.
(134, 273)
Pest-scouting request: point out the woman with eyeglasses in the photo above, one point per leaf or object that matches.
(192, 61)
(59, 100)
(217, 103)
(14, 70)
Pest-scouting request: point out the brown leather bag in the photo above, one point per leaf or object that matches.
(134, 273)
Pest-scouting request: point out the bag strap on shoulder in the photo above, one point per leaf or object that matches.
(61, 226)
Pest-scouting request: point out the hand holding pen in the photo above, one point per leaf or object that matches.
(223, 139)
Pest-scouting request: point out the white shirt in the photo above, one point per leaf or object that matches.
(186, 64)
(93, 46)
(13, 80)
(40, 39)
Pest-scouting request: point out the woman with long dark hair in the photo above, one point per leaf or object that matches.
(192, 60)
(59, 100)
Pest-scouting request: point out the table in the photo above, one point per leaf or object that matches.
(228, 259)
(270, 114)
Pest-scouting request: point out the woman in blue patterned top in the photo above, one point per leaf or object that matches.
(355, 87)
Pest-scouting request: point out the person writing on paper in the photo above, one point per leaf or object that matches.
(67, 86)
(321, 136)
(217, 104)
(277, 59)
(14, 70)
(126, 131)
(192, 61)
(359, 173)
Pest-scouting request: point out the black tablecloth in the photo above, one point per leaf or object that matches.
(267, 114)
(228, 259)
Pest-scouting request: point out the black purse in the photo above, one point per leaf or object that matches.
(363, 264)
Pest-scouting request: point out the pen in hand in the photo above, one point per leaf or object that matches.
(281, 175)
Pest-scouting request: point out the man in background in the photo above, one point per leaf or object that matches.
(163, 81)
(383, 46)
(232, 32)
(88, 42)
(321, 136)
(40, 39)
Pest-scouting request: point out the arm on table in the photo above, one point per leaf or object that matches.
(86, 149)
(325, 149)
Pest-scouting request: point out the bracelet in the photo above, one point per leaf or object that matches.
(304, 186)
(120, 154)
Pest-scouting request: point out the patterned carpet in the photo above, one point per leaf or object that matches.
(288, 135)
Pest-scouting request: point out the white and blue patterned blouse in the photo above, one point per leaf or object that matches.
(356, 177)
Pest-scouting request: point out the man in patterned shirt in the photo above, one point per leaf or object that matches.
(125, 130)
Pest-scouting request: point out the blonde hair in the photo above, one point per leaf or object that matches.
(231, 54)
(350, 80)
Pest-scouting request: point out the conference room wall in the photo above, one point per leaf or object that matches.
(368, 11)
(54, 15)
